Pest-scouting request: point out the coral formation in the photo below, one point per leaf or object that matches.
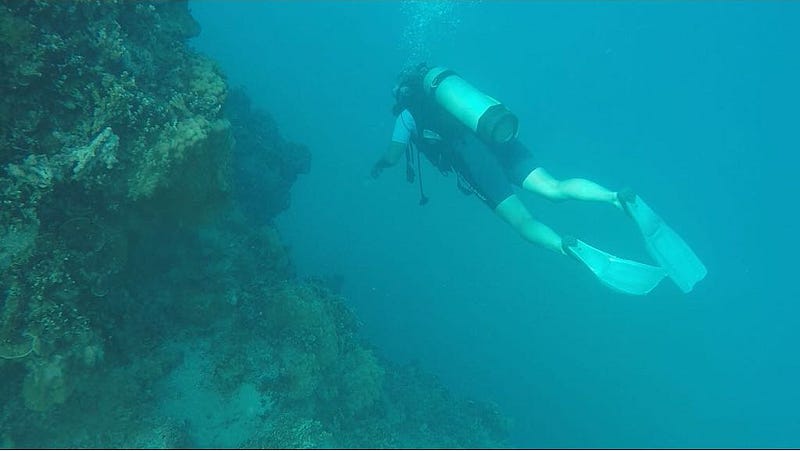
(137, 247)
(84, 107)
(266, 165)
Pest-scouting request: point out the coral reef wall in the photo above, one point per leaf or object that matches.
(108, 121)
(138, 259)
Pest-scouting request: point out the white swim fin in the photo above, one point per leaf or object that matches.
(664, 245)
(626, 276)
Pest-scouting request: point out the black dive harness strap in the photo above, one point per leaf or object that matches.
(410, 171)
(463, 182)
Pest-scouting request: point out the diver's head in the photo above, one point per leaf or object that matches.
(408, 90)
(401, 92)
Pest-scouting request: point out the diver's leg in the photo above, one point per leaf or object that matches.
(514, 212)
(484, 175)
(541, 182)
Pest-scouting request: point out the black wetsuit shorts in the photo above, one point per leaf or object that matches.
(491, 171)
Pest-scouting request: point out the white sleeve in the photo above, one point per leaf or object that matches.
(404, 126)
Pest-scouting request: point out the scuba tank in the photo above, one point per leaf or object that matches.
(491, 121)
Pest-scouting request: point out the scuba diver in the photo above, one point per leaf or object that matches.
(461, 130)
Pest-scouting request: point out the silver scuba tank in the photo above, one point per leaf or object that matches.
(491, 121)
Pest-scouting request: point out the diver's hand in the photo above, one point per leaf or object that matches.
(379, 166)
(376, 171)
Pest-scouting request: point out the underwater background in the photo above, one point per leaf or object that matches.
(193, 254)
(693, 104)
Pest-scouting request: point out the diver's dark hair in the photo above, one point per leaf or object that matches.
(412, 74)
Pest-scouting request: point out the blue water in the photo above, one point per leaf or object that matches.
(693, 104)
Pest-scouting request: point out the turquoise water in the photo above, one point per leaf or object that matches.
(693, 104)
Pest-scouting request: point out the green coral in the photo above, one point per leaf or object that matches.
(175, 143)
(16, 241)
(358, 383)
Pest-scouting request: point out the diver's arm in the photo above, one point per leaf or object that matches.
(390, 158)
